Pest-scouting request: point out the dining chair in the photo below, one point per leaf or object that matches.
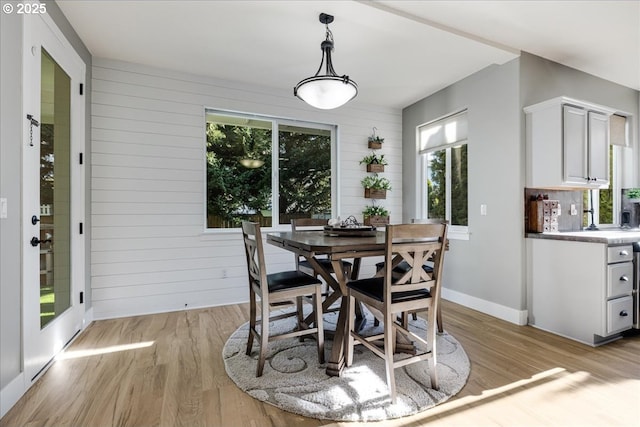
(274, 290)
(302, 264)
(403, 267)
(387, 295)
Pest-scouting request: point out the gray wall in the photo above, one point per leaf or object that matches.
(11, 124)
(489, 266)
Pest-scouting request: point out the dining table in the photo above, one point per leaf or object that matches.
(318, 243)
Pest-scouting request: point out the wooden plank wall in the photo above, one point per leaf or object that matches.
(149, 248)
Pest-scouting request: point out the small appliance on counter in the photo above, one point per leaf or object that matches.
(543, 214)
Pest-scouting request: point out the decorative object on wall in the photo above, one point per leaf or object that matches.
(375, 187)
(375, 141)
(326, 91)
(375, 163)
(375, 215)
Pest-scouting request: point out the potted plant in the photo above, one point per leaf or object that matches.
(633, 194)
(375, 187)
(374, 162)
(375, 215)
(375, 142)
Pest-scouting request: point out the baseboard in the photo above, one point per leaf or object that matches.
(11, 393)
(519, 317)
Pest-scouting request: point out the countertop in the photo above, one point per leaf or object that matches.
(609, 236)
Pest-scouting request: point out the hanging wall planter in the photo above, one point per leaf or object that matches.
(375, 187)
(375, 142)
(375, 215)
(375, 163)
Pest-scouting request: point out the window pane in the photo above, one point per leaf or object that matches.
(459, 185)
(238, 171)
(606, 196)
(436, 184)
(304, 173)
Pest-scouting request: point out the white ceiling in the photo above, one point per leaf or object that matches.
(397, 51)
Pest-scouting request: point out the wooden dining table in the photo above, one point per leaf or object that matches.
(310, 245)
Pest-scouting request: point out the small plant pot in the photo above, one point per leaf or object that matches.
(375, 145)
(373, 193)
(376, 220)
(375, 167)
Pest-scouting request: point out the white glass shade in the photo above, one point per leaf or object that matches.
(326, 92)
(251, 163)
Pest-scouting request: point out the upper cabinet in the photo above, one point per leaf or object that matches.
(567, 144)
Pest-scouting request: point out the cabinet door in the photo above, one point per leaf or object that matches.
(574, 135)
(598, 148)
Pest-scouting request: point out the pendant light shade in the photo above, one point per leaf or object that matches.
(329, 90)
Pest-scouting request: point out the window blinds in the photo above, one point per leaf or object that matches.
(443, 132)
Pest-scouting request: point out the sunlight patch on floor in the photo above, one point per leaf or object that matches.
(75, 354)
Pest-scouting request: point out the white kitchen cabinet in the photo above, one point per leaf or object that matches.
(580, 290)
(567, 144)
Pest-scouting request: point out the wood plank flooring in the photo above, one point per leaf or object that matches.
(167, 370)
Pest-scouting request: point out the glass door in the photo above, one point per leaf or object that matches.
(53, 199)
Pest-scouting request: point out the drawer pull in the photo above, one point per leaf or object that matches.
(624, 279)
(624, 313)
(624, 253)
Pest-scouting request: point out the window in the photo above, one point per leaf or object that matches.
(606, 202)
(266, 170)
(443, 152)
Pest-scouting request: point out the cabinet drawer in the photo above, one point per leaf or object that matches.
(619, 314)
(620, 280)
(620, 253)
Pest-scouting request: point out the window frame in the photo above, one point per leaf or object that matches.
(275, 175)
(456, 232)
(615, 184)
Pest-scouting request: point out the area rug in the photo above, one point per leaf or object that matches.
(295, 382)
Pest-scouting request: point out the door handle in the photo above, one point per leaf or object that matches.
(35, 241)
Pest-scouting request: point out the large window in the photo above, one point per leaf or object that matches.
(266, 170)
(443, 151)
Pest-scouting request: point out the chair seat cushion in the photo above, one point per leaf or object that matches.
(290, 279)
(404, 267)
(374, 288)
(324, 262)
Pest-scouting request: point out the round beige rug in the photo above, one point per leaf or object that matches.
(295, 382)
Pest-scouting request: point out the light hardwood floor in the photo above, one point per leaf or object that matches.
(167, 370)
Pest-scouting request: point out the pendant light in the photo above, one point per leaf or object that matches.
(329, 90)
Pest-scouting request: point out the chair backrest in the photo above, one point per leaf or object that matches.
(415, 244)
(429, 221)
(317, 223)
(254, 252)
(309, 224)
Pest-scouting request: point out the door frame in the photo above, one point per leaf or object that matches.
(39, 30)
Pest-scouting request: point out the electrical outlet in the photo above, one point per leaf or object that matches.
(483, 209)
(3, 208)
(224, 274)
(574, 211)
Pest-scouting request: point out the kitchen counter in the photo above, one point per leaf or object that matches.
(609, 236)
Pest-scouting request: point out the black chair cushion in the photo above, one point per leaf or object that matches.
(324, 262)
(290, 279)
(374, 288)
(404, 267)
